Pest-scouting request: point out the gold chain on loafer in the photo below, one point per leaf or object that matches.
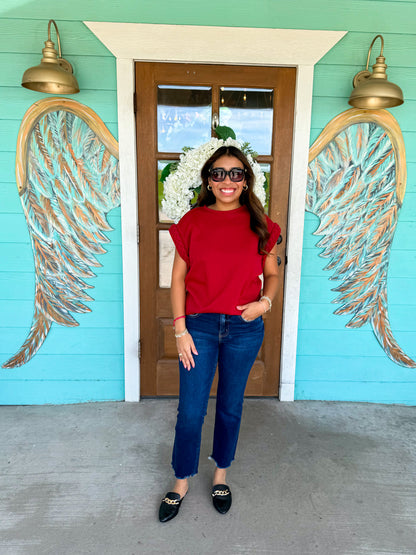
(220, 492)
(171, 501)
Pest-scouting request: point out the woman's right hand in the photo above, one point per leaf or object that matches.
(186, 350)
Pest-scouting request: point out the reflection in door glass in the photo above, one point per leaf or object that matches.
(266, 170)
(250, 113)
(166, 256)
(160, 196)
(183, 117)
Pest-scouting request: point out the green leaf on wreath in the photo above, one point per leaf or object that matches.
(165, 172)
(223, 132)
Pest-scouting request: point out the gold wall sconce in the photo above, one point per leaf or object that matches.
(372, 90)
(54, 74)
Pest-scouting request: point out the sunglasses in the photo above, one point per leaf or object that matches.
(235, 174)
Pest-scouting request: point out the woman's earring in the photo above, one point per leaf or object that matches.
(245, 187)
(209, 187)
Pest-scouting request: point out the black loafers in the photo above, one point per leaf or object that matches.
(221, 498)
(169, 507)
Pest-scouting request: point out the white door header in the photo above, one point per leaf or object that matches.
(200, 44)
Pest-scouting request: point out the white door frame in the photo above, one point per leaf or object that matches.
(131, 42)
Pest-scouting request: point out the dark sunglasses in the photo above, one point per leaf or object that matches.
(235, 174)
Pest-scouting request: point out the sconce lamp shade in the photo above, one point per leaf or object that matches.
(372, 90)
(54, 74)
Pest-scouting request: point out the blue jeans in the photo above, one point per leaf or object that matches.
(233, 344)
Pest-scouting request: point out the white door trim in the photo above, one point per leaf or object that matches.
(130, 42)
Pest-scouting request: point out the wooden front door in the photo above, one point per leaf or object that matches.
(176, 105)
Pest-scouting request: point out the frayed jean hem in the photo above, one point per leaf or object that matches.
(211, 458)
(183, 477)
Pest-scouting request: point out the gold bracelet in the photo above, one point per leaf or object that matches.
(177, 335)
(268, 299)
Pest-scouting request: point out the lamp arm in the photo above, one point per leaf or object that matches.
(59, 40)
(371, 46)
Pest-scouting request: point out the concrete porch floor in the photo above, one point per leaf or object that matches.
(309, 477)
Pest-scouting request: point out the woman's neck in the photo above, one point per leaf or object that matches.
(220, 207)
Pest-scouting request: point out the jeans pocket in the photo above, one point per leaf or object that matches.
(250, 321)
(195, 315)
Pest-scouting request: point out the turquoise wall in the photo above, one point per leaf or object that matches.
(86, 363)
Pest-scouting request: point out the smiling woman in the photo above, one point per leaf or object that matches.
(223, 245)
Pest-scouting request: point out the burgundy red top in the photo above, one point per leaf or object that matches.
(221, 252)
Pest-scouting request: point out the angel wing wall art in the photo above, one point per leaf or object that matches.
(356, 185)
(68, 180)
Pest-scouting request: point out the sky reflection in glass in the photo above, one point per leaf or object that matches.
(183, 117)
(250, 113)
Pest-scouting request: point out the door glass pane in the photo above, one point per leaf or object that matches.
(266, 170)
(250, 113)
(160, 167)
(183, 117)
(166, 256)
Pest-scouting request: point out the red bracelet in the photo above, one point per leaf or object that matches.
(178, 318)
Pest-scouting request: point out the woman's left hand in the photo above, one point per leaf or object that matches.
(251, 311)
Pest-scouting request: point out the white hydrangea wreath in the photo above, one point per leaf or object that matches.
(179, 186)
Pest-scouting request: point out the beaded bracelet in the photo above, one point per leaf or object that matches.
(268, 299)
(177, 335)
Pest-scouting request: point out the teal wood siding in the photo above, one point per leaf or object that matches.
(86, 363)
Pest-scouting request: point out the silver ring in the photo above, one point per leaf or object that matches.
(180, 355)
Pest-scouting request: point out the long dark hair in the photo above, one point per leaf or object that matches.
(206, 197)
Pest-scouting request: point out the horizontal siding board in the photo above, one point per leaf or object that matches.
(319, 14)
(352, 49)
(106, 286)
(346, 342)
(352, 369)
(18, 313)
(68, 367)
(13, 228)
(408, 209)
(42, 392)
(9, 199)
(16, 100)
(27, 36)
(320, 316)
(7, 168)
(398, 393)
(67, 341)
(9, 130)
(318, 289)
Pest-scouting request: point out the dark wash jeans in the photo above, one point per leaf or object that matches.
(234, 344)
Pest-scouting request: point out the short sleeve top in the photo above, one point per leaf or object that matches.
(221, 252)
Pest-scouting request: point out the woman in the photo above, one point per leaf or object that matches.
(223, 245)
